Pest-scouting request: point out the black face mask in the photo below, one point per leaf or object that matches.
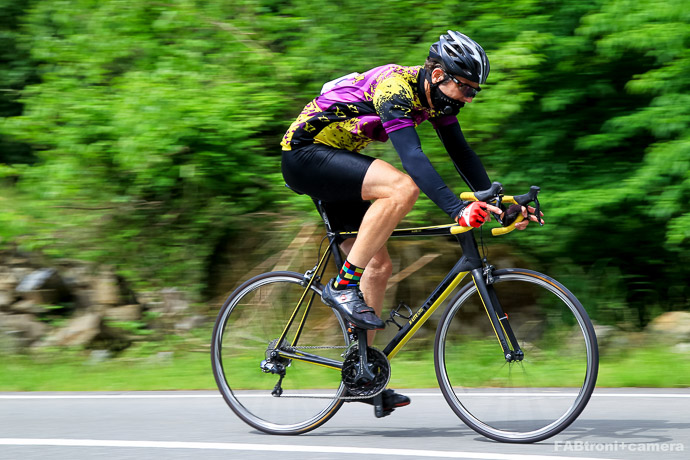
(442, 103)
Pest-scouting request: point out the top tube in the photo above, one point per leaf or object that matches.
(493, 194)
(437, 230)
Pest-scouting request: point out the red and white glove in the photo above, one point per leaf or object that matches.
(474, 215)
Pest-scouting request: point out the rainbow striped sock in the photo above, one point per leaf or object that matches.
(349, 276)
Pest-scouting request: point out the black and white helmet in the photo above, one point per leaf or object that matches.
(461, 56)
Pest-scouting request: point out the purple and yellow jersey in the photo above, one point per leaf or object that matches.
(361, 108)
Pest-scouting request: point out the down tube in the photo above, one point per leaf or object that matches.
(442, 291)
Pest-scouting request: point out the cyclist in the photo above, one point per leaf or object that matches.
(321, 158)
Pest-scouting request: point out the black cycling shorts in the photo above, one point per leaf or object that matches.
(333, 176)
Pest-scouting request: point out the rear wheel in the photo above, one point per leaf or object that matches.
(527, 400)
(247, 362)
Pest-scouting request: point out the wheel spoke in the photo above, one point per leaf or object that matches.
(248, 365)
(521, 401)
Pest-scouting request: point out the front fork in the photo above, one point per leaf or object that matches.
(483, 280)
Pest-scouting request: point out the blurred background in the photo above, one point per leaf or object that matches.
(140, 165)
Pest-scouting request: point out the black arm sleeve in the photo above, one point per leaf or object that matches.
(465, 159)
(407, 144)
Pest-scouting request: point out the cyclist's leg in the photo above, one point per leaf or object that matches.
(342, 179)
(394, 193)
(339, 176)
(375, 279)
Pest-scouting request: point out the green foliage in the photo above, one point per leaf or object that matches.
(611, 146)
(133, 327)
(154, 127)
(16, 70)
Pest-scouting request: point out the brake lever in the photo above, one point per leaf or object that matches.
(537, 212)
(527, 198)
(498, 202)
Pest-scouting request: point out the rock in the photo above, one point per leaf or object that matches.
(190, 322)
(99, 356)
(604, 333)
(156, 307)
(76, 274)
(124, 313)
(44, 278)
(25, 326)
(110, 289)
(682, 348)
(27, 306)
(78, 331)
(43, 296)
(606, 336)
(8, 282)
(673, 326)
(83, 298)
(107, 290)
(6, 299)
(531, 330)
(43, 286)
(174, 301)
(17, 260)
(627, 340)
(88, 331)
(162, 357)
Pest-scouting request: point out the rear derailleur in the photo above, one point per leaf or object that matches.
(275, 364)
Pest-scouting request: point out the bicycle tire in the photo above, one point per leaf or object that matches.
(523, 401)
(253, 317)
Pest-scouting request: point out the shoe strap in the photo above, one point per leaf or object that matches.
(364, 309)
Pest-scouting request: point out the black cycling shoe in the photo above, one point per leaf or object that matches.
(391, 401)
(350, 303)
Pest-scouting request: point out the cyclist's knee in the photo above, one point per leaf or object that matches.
(407, 191)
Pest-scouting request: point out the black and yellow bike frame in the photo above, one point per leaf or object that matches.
(470, 263)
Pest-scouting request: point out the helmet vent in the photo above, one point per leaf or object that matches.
(461, 55)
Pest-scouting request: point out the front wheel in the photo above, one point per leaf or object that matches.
(270, 392)
(526, 400)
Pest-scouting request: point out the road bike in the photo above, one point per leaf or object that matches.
(515, 352)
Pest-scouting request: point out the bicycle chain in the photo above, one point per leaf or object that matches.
(345, 398)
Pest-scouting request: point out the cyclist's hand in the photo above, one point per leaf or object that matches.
(527, 212)
(475, 214)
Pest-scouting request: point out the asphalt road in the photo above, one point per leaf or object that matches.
(617, 424)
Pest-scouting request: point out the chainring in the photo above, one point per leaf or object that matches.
(379, 366)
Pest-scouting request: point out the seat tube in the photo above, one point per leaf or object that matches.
(480, 283)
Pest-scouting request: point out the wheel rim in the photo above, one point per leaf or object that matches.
(523, 401)
(254, 316)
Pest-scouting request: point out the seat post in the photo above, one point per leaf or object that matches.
(333, 239)
(324, 216)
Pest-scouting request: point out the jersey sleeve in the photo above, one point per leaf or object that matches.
(417, 164)
(393, 100)
(465, 159)
(443, 121)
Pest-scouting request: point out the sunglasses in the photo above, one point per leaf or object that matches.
(465, 89)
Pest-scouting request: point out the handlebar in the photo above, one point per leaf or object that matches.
(494, 195)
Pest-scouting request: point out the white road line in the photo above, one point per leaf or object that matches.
(412, 394)
(109, 396)
(345, 450)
